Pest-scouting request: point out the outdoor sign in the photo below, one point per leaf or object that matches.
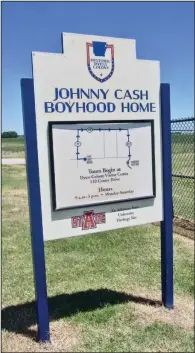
(98, 149)
(98, 136)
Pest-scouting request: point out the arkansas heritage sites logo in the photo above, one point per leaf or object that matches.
(100, 60)
(88, 220)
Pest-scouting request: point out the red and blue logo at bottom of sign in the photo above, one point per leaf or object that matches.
(88, 220)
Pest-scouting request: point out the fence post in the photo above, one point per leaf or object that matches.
(167, 223)
(35, 209)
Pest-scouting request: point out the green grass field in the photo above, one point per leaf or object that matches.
(183, 154)
(103, 289)
(183, 164)
(13, 147)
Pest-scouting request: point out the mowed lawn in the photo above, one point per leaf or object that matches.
(183, 165)
(104, 289)
(13, 147)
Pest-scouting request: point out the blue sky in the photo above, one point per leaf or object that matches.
(163, 31)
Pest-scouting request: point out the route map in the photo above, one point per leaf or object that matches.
(101, 162)
(89, 159)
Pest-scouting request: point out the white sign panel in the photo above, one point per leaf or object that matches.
(106, 163)
(98, 136)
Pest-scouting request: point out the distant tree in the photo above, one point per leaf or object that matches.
(9, 134)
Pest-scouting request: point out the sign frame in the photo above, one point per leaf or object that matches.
(52, 171)
(32, 168)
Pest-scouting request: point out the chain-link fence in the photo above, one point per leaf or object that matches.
(182, 132)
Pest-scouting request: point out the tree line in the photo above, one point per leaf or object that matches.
(10, 134)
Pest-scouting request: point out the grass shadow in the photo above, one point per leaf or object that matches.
(21, 317)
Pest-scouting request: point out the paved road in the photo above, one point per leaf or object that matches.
(13, 161)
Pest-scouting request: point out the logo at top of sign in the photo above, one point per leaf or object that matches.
(100, 60)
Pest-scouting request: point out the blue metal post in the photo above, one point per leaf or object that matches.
(32, 168)
(167, 223)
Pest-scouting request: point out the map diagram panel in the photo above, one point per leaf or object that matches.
(101, 162)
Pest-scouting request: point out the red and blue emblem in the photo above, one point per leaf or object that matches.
(100, 60)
